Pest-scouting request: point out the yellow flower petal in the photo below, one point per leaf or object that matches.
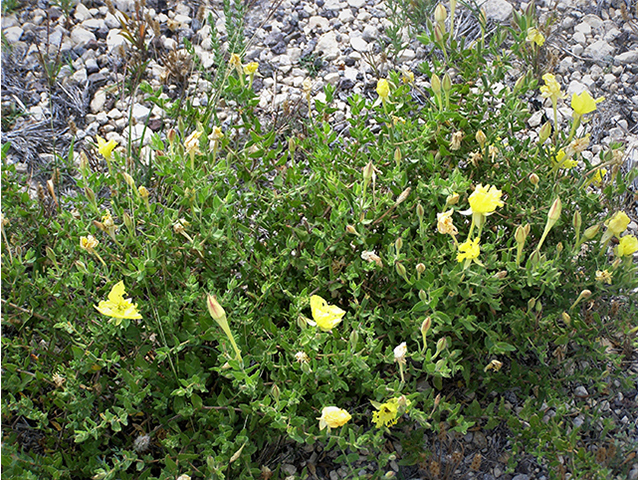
(485, 199)
(117, 306)
(325, 315)
(584, 103)
(333, 417)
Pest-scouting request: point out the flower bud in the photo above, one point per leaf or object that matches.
(128, 221)
(482, 18)
(403, 196)
(577, 221)
(453, 199)
(534, 179)
(275, 393)
(555, 211)
(442, 343)
(399, 244)
(591, 232)
(215, 309)
(440, 364)
(559, 248)
(172, 135)
(368, 173)
(401, 270)
(436, 85)
(545, 132)
(566, 318)
(446, 83)
(521, 234)
(397, 155)
(500, 275)
(129, 180)
(353, 339)
(423, 295)
(584, 294)
(440, 13)
(144, 193)
(531, 303)
(90, 195)
(519, 83)
(352, 230)
(420, 211)
(481, 138)
(426, 325)
(420, 268)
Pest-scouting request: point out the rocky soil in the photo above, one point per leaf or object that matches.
(591, 45)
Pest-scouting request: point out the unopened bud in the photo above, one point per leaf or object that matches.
(531, 303)
(353, 339)
(591, 232)
(442, 343)
(420, 211)
(545, 132)
(403, 196)
(453, 199)
(521, 234)
(399, 244)
(566, 318)
(440, 364)
(538, 306)
(534, 179)
(129, 180)
(397, 155)
(401, 270)
(436, 85)
(500, 275)
(171, 135)
(90, 195)
(275, 393)
(420, 268)
(426, 325)
(519, 83)
(446, 82)
(352, 230)
(481, 138)
(482, 18)
(555, 210)
(128, 221)
(367, 173)
(423, 295)
(440, 13)
(559, 248)
(530, 11)
(577, 221)
(215, 309)
(584, 294)
(292, 145)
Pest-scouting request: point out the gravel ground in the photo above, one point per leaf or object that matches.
(591, 45)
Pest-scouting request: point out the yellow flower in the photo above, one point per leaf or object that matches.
(597, 177)
(250, 68)
(494, 365)
(144, 193)
(618, 223)
(106, 148)
(333, 417)
(192, 143)
(534, 35)
(88, 243)
(407, 76)
(578, 145)
(604, 276)
(383, 89)
(485, 199)
(551, 89)
(387, 414)
(469, 250)
(628, 245)
(235, 61)
(584, 103)
(445, 223)
(326, 316)
(568, 163)
(216, 134)
(117, 306)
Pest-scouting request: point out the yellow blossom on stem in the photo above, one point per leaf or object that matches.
(106, 148)
(551, 89)
(382, 88)
(386, 414)
(628, 245)
(117, 306)
(604, 276)
(445, 223)
(615, 226)
(326, 316)
(88, 243)
(494, 365)
(333, 417)
(584, 103)
(469, 250)
(535, 36)
(483, 202)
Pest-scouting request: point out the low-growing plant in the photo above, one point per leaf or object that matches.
(245, 286)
